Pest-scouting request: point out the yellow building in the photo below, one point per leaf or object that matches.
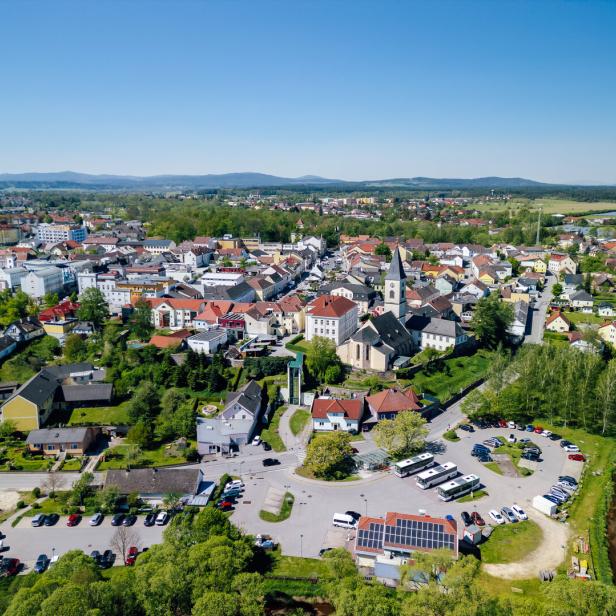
(487, 278)
(541, 267)
(234, 242)
(31, 405)
(59, 329)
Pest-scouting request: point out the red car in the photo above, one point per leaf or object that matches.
(538, 430)
(502, 423)
(578, 457)
(73, 519)
(131, 557)
(224, 505)
(11, 566)
(477, 519)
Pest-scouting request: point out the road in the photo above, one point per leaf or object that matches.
(24, 482)
(539, 313)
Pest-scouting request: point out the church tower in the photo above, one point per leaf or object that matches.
(394, 290)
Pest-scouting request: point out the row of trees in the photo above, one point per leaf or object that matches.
(563, 385)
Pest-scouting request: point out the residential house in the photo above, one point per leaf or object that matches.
(237, 423)
(475, 287)
(176, 339)
(605, 309)
(445, 284)
(361, 294)
(333, 317)
(607, 333)
(175, 313)
(561, 264)
(418, 296)
(7, 346)
(558, 322)
(582, 300)
(577, 341)
(157, 247)
(388, 403)
(517, 328)
(154, 484)
(571, 283)
(54, 441)
(441, 334)
(208, 342)
(330, 414)
(25, 330)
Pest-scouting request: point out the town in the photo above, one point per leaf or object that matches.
(357, 396)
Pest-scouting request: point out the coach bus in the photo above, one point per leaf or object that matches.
(404, 468)
(436, 475)
(458, 487)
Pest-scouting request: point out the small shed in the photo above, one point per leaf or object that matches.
(372, 460)
(472, 534)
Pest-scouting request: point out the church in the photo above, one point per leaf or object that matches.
(383, 340)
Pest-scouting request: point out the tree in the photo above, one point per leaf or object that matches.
(144, 404)
(93, 307)
(75, 348)
(383, 250)
(333, 374)
(557, 289)
(123, 539)
(172, 501)
(107, 499)
(327, 454)
(53, 483)
(141, 320)
(491, 320)
(7, 428)
(321, 354)
(81, 488)
(50, 300)
(402, 436)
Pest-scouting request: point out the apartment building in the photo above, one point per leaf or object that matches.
(332, 317)
(55, 233)
(46, 280)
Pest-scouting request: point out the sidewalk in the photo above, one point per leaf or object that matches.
(296, 444)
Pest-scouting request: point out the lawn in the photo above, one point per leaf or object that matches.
(581, 317)
(494, 467)
(452, 436)
(550, 206)
(160, 456)
(456, 374)
(271, 434)
(101, 415)
(509, 543)
(14, 457)
(473, 496)
(555, 339)
(298, 421)
(285, 510)
(71, 464)
(294, 566)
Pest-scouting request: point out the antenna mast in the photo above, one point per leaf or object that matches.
(538, 228)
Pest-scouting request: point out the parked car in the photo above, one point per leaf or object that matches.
(532, 457)
(129, 520)
(38, 520)
(73, 519)
(51, 519)
(568, 478)
(117, 519)
(546, 433)
(572, 448)
(577, 457)
(511, 438)
(509, 515)
(532, 449)
(266, 446)
(552, 498)
(520, 513)
(95, 555)
(467, 428)
(235, 483)
(525, 440)
(538, 430)
(10, 566)
(353, 514)
(530, 428)
(466, 518)
(502, 423)
(107, 559)
(162, 518)
(554, 437)
(150, 519)
(485, 458)
(565, 442)
(324, 551)
(271, 461)
(224, 505)
(477, 519)
(256, 440)
(131, 555)
(42, 562)
(96, 519)
(496, 516)
(511, 424)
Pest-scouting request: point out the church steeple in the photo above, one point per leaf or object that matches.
(395, 287)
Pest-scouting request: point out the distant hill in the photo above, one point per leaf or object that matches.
(70, 179)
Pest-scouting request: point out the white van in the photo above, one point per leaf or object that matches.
(344, 521)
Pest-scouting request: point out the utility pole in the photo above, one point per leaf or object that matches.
(538, 228)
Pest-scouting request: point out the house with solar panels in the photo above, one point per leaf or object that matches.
(382, 545)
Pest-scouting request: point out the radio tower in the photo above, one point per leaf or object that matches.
(538, 229)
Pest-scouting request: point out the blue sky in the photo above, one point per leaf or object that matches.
(353, 90)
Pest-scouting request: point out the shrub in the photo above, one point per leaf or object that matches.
(36, 492)
(36, 505)
(20, 504)
(192, 455)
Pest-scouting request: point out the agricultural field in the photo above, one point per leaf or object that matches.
(550, 206)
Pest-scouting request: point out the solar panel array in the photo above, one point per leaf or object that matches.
(372, 537)
(407, 533)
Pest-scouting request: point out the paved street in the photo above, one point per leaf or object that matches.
(539, 313)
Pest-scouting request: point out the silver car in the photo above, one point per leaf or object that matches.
(509, 515)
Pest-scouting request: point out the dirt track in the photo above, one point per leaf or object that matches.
(548, 555)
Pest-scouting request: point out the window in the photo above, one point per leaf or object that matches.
(392, 293)
(358, 351)
(74, 445)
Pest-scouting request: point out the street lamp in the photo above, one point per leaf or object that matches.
(301, 545)
(366, 503)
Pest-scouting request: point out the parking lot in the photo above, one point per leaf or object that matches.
(26, 543)
(306, 531)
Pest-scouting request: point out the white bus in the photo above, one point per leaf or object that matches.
(436, 475)
(458, 487)
(414, 464)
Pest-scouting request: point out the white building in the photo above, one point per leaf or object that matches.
(208, 342)
(331, 317)
(106, 284)
(55, 233)
(10, 278)
(47, 280)
(217, 279)
(329, 414)
(441, 334)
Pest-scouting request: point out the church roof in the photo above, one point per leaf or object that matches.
(396, 270)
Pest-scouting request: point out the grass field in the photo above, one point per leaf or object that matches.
(551, 206)
(473, 496)
(161, 456)
(590, 319)
(511, 542)
(13, 457)
(298, 421)
(101, 415)
(285, 510)
(271, 435)
(494, 467)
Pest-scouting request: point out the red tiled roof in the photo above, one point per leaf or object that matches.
(394, 400)
(330, 306)
(556, 315)
(351, 408)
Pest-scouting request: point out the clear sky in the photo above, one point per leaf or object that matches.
(352, 90)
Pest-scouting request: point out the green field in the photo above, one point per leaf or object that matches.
(509, 543)
(271, 435)
(285, 510)
(101, 415)
(590, 319)
(14, 457)
(473, 496)
(161, 456)
(550, 206)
